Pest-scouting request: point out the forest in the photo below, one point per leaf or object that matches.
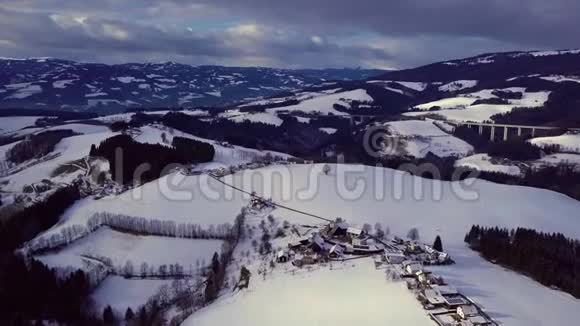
(549, 258)
(298, 139)
(137, 162)
(560, 110)
(36, 146)
(29, 290)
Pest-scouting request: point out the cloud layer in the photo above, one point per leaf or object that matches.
(298, 33)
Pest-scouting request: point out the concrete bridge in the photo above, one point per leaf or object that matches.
(521, 130)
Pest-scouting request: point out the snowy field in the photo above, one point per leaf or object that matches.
(122, 293)
(225, 155)
(11, 124)
(123, 247)
(461, 108)
(178, 198)
(449, 216)
(324, 104)
(458, 85)
(68, 149)
(261, 117)
(396, 200)
(346, 295)
(559, 158)
(483, 162)
(417, 138)
(567, 142)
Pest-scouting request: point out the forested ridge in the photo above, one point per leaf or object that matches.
(549, 258)
(131, 160)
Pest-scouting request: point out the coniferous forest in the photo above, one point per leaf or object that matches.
(132, 160)
(549, 258)
(30, 291)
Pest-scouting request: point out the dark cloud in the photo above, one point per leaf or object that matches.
(298, 33)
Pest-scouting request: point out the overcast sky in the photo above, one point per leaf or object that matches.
(286, 33)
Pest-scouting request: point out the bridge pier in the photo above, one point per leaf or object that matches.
(533, 132)
(519, 132)
(480, 129)
(492, 135)
(505, 133)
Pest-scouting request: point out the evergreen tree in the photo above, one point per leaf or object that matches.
(210, 292)
(129, 315)
(438, 245)
(108, 316)
(93, 150)
(143, 316)
(215, 263)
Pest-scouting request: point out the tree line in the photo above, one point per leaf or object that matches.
(132, 161)
(549, 258)
(36, 146)
(131, 224)
(216, 277)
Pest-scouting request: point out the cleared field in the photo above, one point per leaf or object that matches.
(349, 295)
(122, 247)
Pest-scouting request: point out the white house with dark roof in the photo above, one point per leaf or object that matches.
(467, 311)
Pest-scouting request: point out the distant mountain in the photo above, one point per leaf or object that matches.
(533, 88)
(494, 66)
(60, 84)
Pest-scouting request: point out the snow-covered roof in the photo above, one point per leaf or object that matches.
(468, 310)
(446, 290)
(355, 231)
(477, 320)
(434, 297)
(337, 249)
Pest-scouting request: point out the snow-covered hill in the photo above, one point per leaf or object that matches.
(479, 106)
(417, 138)
(385, 196)
(449, 216)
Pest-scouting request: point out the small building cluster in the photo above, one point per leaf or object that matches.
(446, 306)
(258, 203)
(404, 259)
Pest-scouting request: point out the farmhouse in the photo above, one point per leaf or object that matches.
(354, 233)
(467, 311)
(318, 244)
(434, 298)
(282, 256)
(336, 251)
(337, 229)
(412, 267)
(394, 256)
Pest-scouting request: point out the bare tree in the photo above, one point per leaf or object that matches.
(144, 269)
(413, 234)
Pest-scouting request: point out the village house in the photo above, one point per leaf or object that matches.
(336, 251)
(354, 233)
(467, 311)
(318, 244)
(304, 241)
(282, 256)
(412, 267)
(394, 256)
(337, 229)
(433, 298)
(423, 277)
